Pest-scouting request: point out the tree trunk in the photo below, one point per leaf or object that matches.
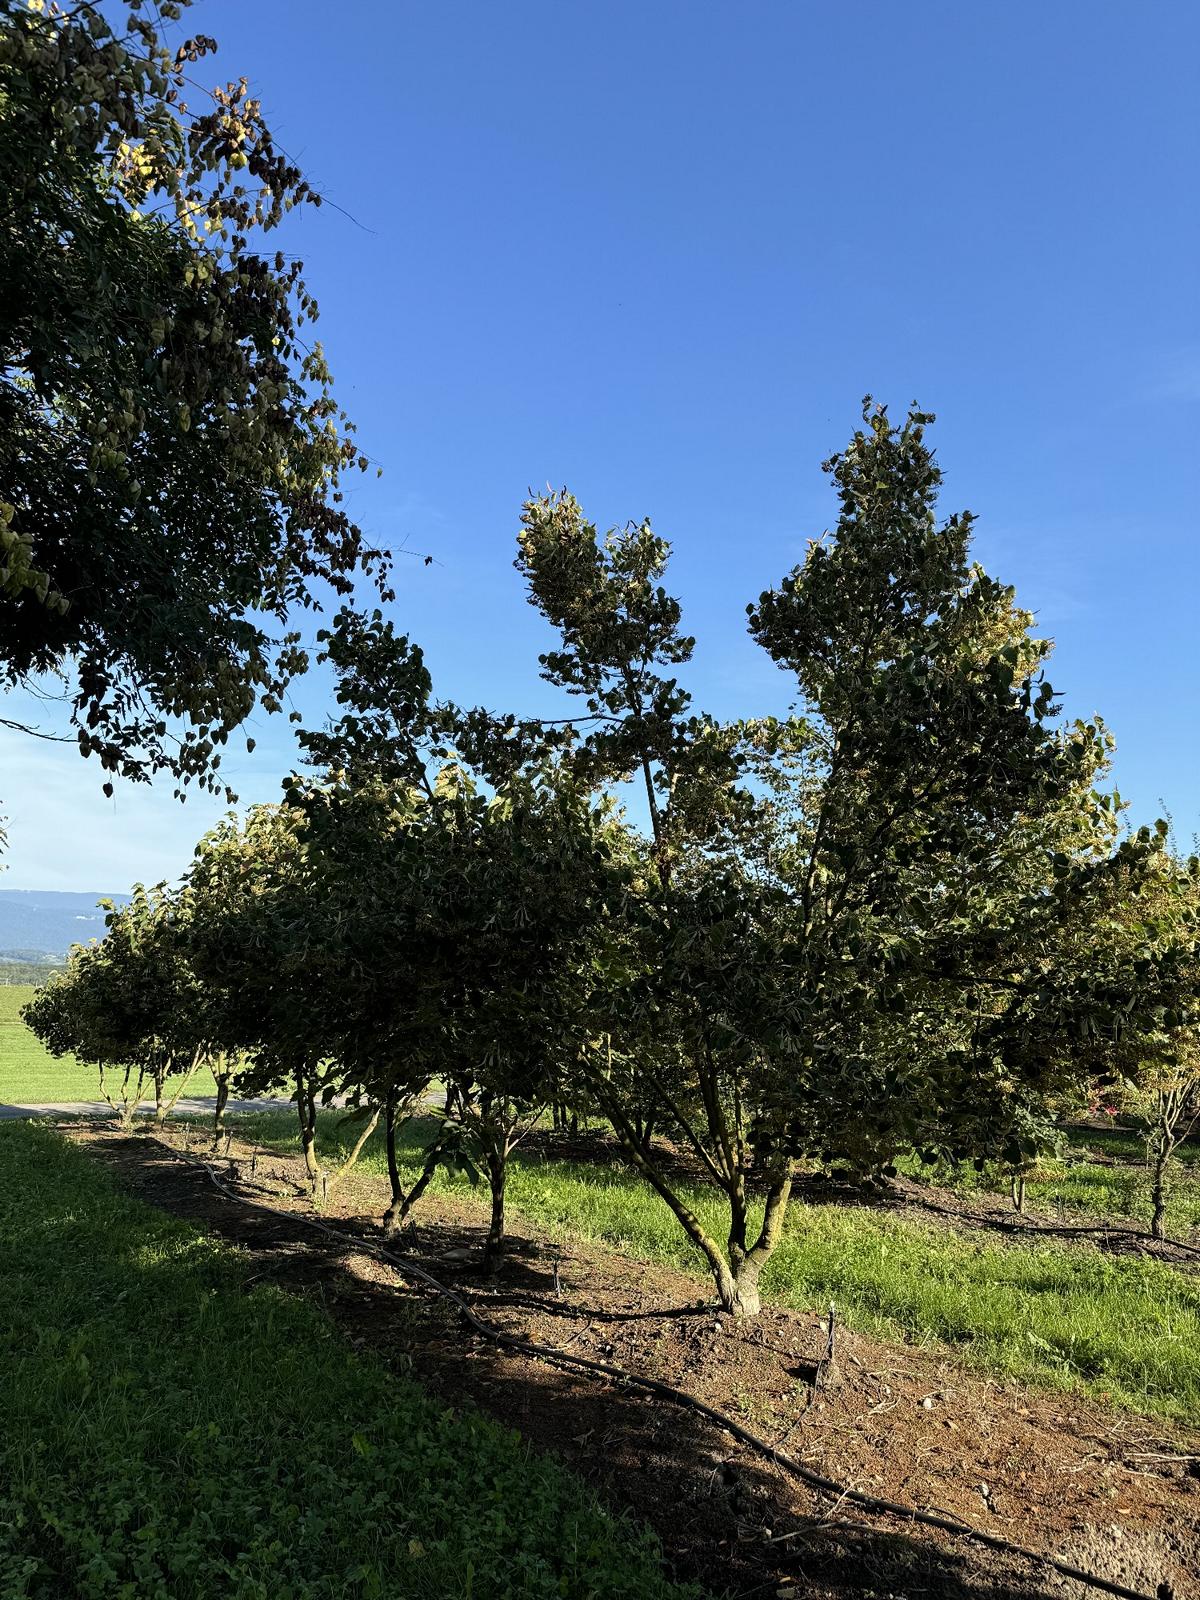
(126, 1112)
(306, 1109)
(222, 1078)
(1018, 1191)
(184, 1079)
(351, 1160)
(401, 1204)
(432, 1157)
(130, 1100)
(498, 1179)
(736, 1281)
(391, 1217)
(739, 1294)
(1158, 1195)
(737, 1289)
(160, 1104)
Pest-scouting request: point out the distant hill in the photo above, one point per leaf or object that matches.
(42, 925)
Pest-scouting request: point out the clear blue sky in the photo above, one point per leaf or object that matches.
(658, 252)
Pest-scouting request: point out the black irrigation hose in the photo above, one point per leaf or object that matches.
(677, 1397)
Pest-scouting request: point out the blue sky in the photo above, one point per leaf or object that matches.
(658, 252)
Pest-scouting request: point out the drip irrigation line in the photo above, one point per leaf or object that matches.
(677, 1397)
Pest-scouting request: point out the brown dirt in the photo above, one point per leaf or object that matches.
(1115, 1494)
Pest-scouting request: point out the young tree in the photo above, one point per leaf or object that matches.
(171, 455)
(378, 979)
(460, 917)
(685, 1026)
(850, 921)
(250, 914)
(130, 1002)
(79, 1012)
(1162, 1065)
(148, 937)
(538, 878)
(1172, 1084)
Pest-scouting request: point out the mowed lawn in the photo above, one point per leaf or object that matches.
(30, 1075)
(1124, 1329)
(171, 1429)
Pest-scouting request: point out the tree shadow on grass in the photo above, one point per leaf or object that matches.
(727, 1517)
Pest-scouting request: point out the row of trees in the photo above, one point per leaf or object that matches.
(902, 918)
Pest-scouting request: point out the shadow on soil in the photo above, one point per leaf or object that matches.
(727, 1519)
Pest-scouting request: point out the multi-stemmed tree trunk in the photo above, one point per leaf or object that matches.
(490, 1125)
(397, 1110)
(129, 1096)
(164, 1102)
(718, 1137)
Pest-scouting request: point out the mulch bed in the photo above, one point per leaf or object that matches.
(1113, 1493)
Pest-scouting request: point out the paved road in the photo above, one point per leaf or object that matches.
(97, 1108)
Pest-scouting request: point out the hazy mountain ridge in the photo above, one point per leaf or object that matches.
(37, 924)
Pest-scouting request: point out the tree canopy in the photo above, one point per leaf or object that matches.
(171, 453)
(901, 918)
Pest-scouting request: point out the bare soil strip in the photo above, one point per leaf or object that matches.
(1109, 1492)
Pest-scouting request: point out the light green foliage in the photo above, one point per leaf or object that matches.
(170, 1431)
(131, 1003)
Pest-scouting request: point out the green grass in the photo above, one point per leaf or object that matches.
(172, 1434)
(1091, 1188)
(1055, 1314)
(30, 1075)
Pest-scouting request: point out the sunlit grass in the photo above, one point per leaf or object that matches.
(30, 1075)
(1114, 1188)
(1065, 1315)
(172, 1430)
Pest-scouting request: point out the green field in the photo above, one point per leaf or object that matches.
(1055, 1313)
(171, 1431)
(29, 1075)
